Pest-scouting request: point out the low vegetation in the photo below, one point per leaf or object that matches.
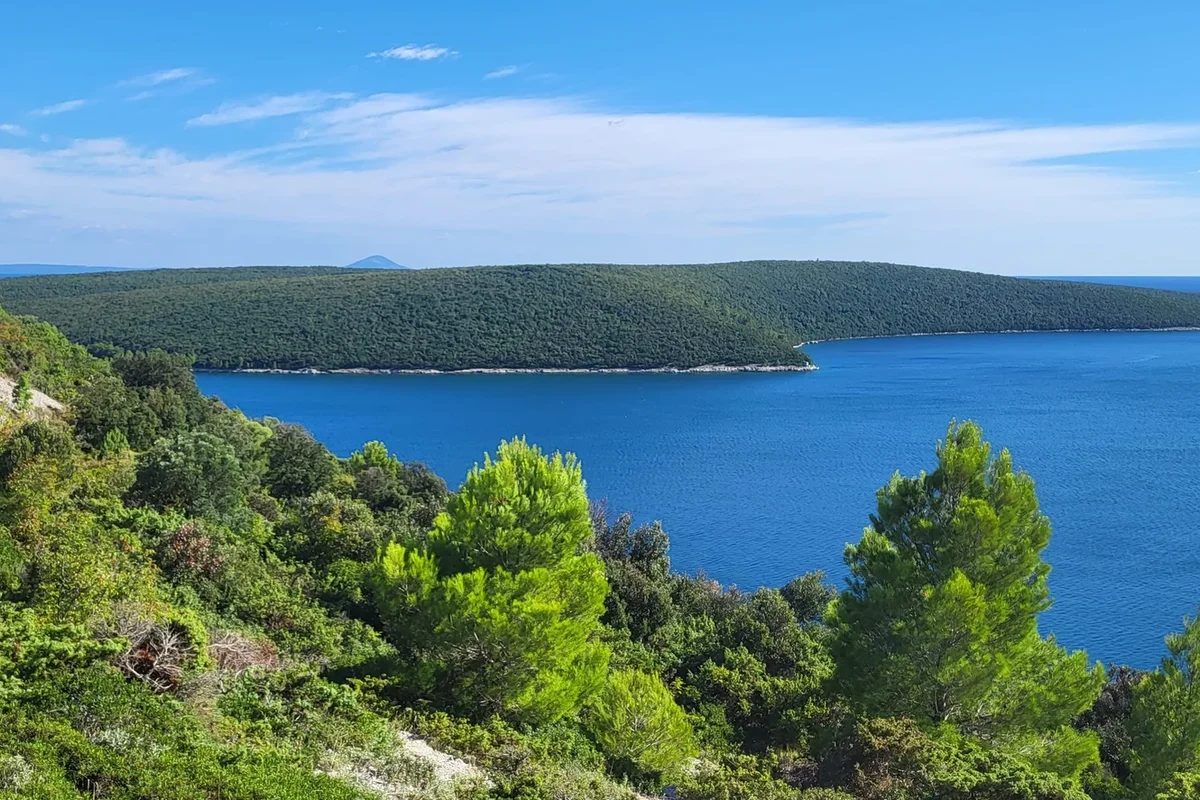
(196, 605)
(567, 316)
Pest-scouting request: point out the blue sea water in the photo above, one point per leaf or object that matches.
(760, 477)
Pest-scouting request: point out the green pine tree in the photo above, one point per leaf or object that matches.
(939, 621)
(1164, 727)
(500, 608)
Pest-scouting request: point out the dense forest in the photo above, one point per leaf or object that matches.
(196, 605)
(569, 316)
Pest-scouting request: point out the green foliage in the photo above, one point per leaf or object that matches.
(195, 472)
(1109, 719)
(297, 464)
(743, 777)
(891, 759)
(939, 622)
(386, 484)
(145, 396)
(194, 605)
(22, 397)
(38, 356)
(809, 597)
(1164, 727)
(555, 762)
(569, 316)
(639, 727)
(93, 734)
(500, 608)
(1181, 786)
(32, 650)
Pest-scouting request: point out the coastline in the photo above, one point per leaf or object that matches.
(703, 368)
(996, 333)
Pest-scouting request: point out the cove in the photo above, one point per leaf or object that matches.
(760, 477)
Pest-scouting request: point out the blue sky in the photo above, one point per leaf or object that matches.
(1024, 138)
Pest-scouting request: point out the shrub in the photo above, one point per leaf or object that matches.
(637, 724)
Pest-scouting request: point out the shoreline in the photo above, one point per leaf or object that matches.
(998, 333)
(702, 369)
(698, 370)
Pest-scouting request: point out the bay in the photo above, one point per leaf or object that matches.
(760, 477)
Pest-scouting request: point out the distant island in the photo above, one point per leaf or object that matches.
(376, 262)
(562, 317)
(25, 270)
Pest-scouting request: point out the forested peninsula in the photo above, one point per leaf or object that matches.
(561, 316)
(199, 606)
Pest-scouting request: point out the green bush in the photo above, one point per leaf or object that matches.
(639, 727)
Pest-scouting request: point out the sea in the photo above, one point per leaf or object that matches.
(758, 478)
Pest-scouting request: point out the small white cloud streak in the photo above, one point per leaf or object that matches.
(502, 72)
(516, 179)
(162, 76)
(267, 108)
(13, 130)
(415, 52)
(58, 108)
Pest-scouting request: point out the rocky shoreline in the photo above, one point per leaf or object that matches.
(704, 368)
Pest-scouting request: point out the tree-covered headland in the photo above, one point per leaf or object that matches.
(197, 605)
(573, 316)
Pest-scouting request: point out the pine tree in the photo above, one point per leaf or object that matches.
(1164, 727)
(939, 620)
(499, 610)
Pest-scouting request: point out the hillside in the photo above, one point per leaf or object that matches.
(198, 606)
(567, 316)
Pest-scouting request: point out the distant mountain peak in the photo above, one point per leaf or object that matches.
(376, 262)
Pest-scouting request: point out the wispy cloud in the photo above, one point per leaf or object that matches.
(267, 108)
(502, 72)
(178, 80)
(58, 108)
(162, 76)
(510, 179)
(12, 130)
(415, 52)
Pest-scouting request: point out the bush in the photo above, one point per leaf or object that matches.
(194, 472)
(297, 464)
(639, 727)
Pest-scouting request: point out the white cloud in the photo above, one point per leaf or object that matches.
(415, 52)
(278, 106)
(502, 72)
(178, 80)
(518, 180)
(12, 130)
(59, 108)
(162, 76)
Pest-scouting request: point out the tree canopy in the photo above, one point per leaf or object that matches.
(560, 316)
(938, 622)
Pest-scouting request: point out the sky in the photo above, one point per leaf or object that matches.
(1019, 138)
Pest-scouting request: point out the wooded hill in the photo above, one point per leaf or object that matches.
(563, 316)
(199, 606)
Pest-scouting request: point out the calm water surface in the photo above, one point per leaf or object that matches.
(758, 478)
